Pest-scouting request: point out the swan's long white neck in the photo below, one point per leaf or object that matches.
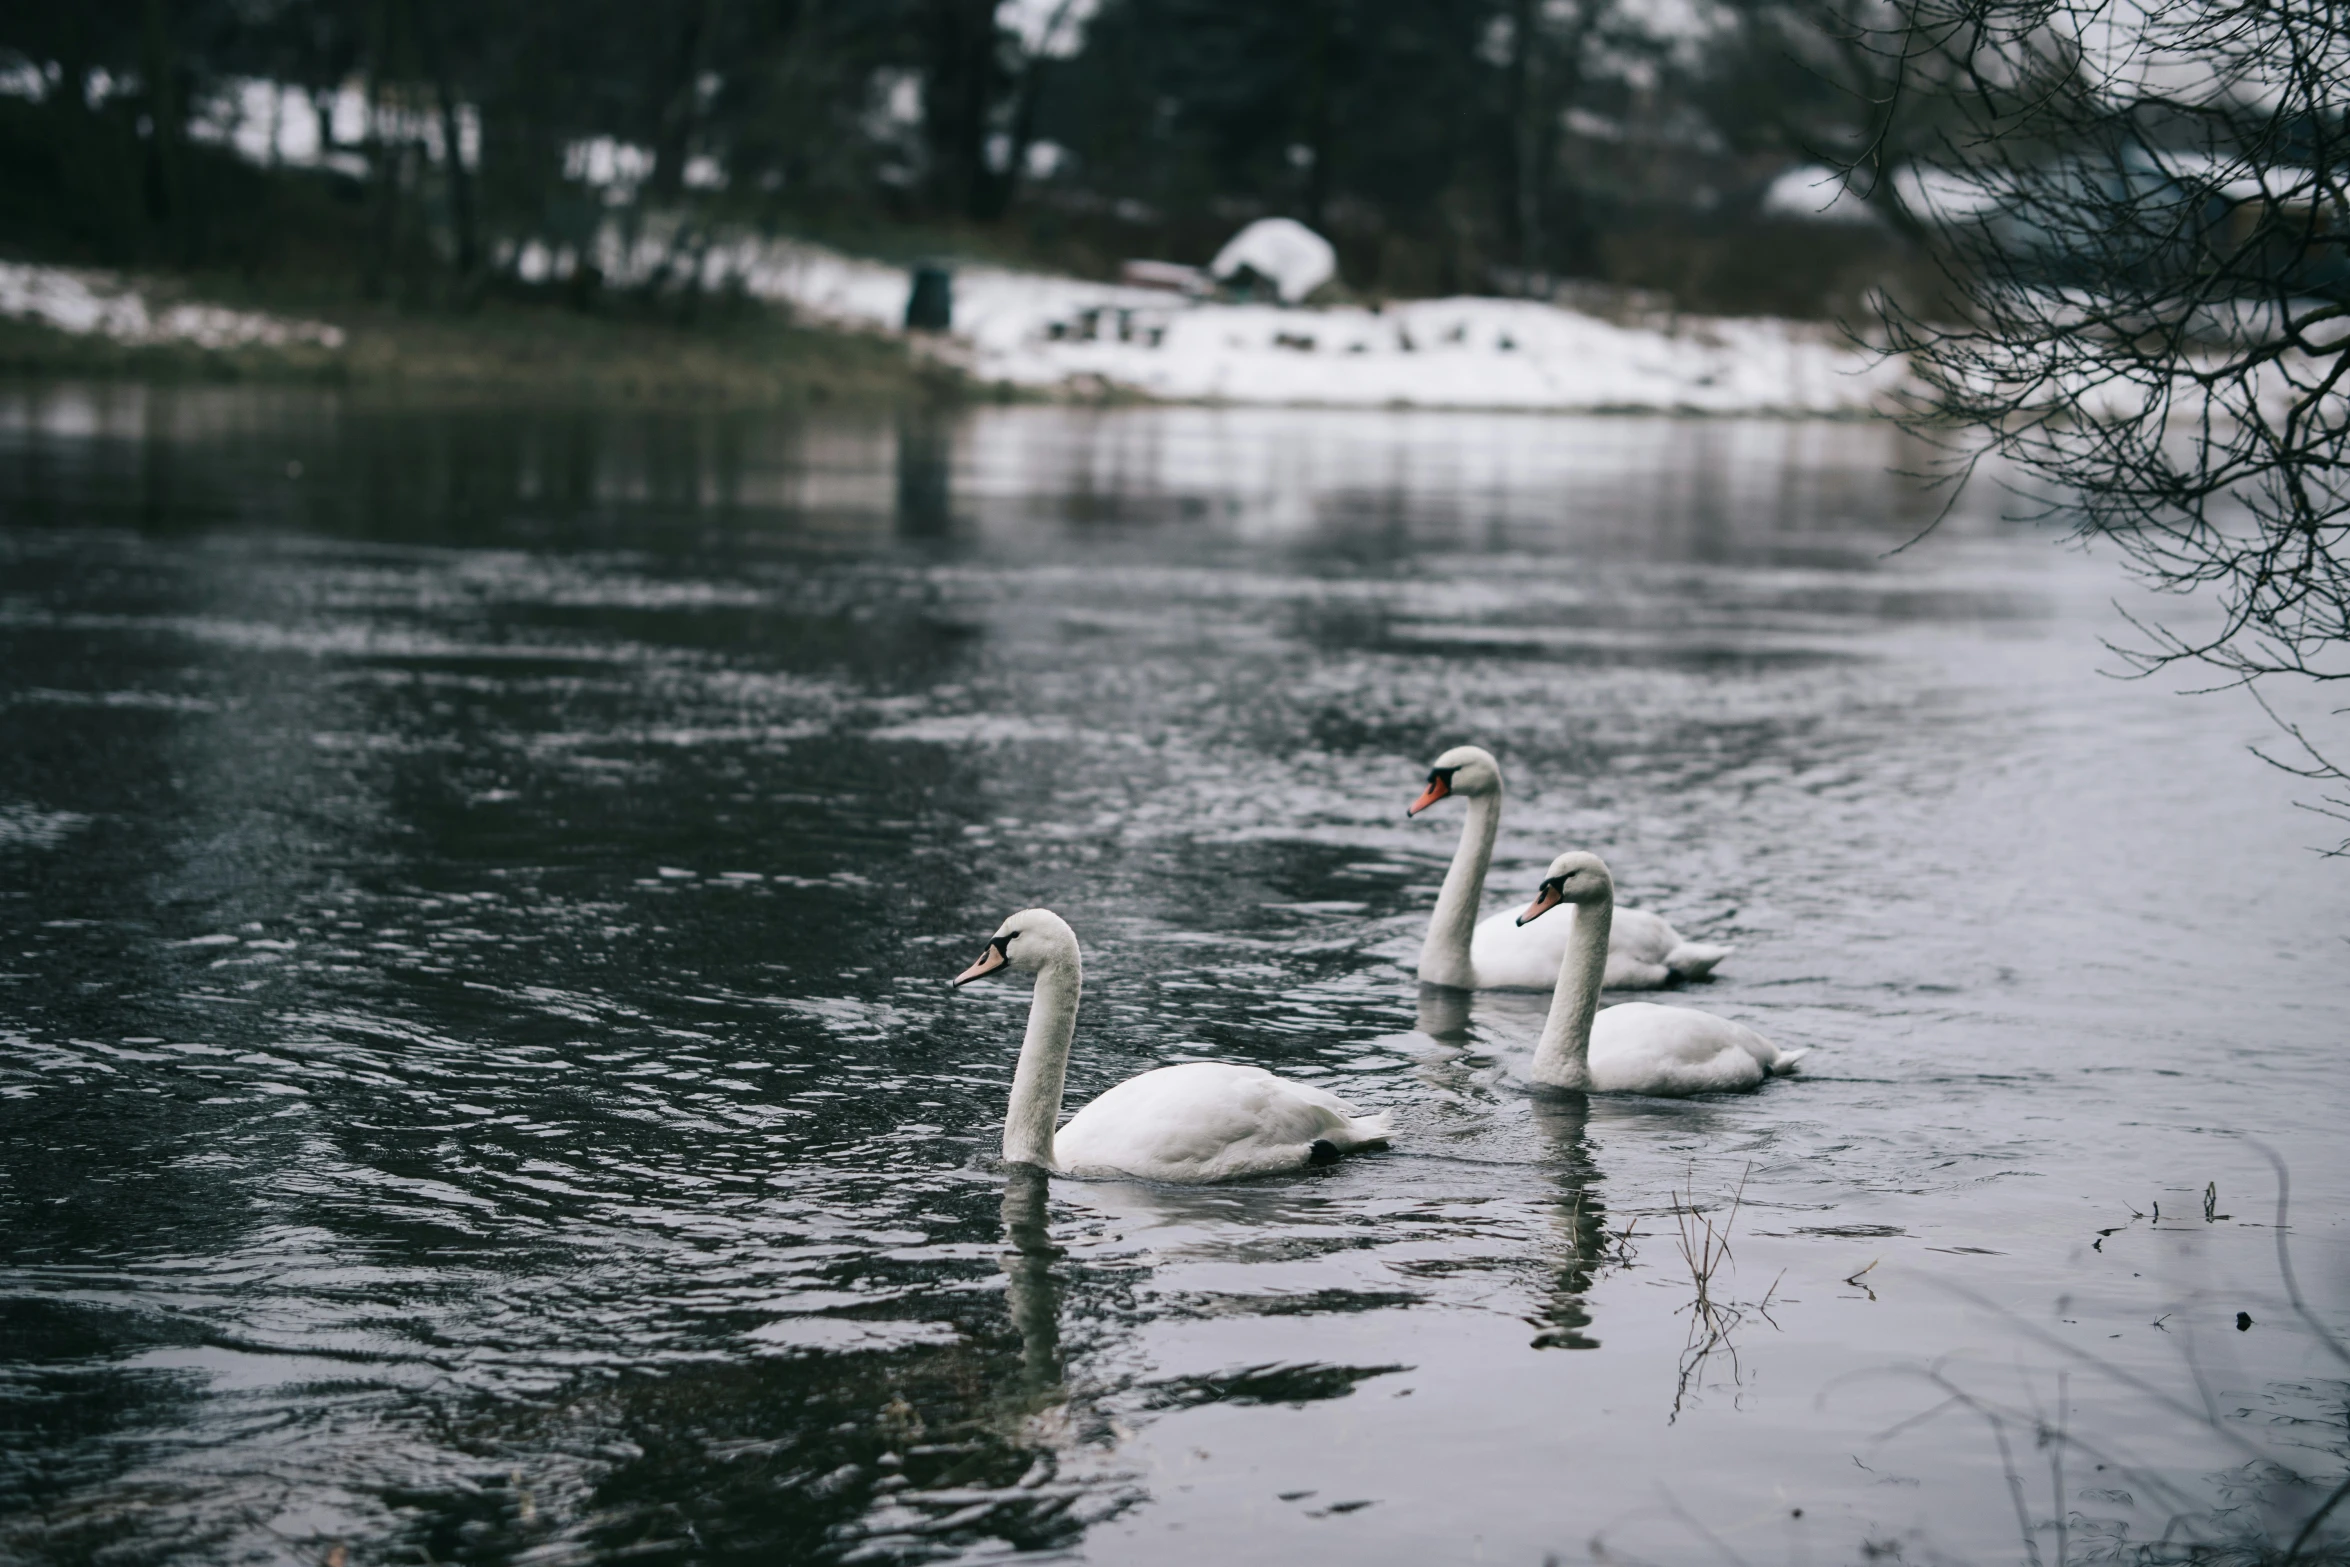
(1044, 1062)
(1563, 1059)
(1444, 957)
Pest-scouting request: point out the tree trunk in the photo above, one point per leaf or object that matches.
(1317, 112)
(1566, 236)
(436, 63)
(382, 165)
(1526, 139)
(955, 102)
(1026, 96)
(167, 203)
(673, 139)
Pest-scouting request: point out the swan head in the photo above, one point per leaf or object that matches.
(1465, 769)
(1027, 941)
(1576, 877)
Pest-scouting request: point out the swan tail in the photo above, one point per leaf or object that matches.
(1695, 959)
(1786, 1064)
(1366, 1131)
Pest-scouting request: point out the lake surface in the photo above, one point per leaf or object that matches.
(478, 1079)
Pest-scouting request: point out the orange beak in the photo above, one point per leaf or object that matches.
(989, 961)
(1438, 787)
(1544, 901)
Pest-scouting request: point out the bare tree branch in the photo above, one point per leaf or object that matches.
(2144, 218)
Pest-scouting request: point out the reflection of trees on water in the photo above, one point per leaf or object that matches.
(925, 474)
(1579, 1220)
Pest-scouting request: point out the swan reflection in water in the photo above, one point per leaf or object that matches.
(1580, 1245)
(1578, 1219)
(1031, 1288)
(1444, 1015)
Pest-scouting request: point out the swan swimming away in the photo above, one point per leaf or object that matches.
(1202, 1121)
(1506, 954)
(1634, 1047)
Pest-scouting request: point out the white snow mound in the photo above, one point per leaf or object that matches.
(1295, 258)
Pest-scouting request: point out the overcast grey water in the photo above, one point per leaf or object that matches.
(479, 1083)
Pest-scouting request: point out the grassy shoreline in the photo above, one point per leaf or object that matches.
(735, 352)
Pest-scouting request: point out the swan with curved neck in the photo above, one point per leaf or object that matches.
(1634, 1047)
(1201, 1121)
(1644, 951)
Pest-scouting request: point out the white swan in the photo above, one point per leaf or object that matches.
(1503, 954)
(1634, 1047)
(1202, 1121)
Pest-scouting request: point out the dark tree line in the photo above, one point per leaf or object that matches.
(1444, 144)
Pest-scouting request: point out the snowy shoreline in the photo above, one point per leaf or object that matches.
(88, 303)
(1067, 337)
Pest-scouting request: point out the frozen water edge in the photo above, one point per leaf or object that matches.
(104, 304)
(1066, 334)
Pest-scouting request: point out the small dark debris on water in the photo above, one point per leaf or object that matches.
(1798, 1513)
(1294, 1496)
(2243, 1322)
(1854, 1232)
(1969, 1251)
(1351, 1507)
(2210, 1202)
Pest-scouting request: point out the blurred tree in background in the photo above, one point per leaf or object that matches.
(427, 149)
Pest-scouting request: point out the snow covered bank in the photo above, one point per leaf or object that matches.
(1058, 333)
(100, 304)
(1061, 334)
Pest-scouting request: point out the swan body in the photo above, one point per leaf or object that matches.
(1504, 953)
(1206, 1121)
(1644, 952)
(1634, 1047)
(1199, 1122)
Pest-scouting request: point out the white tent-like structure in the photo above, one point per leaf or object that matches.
(1283, 251)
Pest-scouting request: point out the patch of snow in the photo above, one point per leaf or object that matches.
(101, 304)
(1949, 195)
(1813, 193)
(1294, 258)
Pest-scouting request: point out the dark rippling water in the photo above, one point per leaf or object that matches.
(478, 1081)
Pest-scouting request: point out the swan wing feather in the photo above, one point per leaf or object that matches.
(1207, 1121)
(1638, 1047)
(1643, 951)
(1695, 959)
(1505, 955)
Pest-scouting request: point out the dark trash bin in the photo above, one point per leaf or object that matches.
(930, 307)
